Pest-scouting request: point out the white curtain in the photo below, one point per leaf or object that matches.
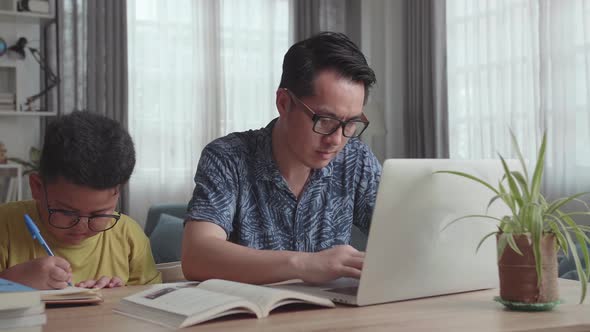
(197, 70)
(524, 65)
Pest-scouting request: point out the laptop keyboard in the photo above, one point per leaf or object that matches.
(344, 290)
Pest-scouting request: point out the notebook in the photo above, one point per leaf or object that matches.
(71, 295)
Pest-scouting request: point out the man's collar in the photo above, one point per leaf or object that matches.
(266, 167)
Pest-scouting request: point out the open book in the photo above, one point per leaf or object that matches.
(71, 295)
(184, 304)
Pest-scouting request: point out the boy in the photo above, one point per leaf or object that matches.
(85, 161)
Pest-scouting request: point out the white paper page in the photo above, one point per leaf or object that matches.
(263, 297)
(187, 301)
(68, 290)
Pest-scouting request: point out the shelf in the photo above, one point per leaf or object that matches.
(7, 62)
(24, 17)
(14, 113)
(9, 166)
(11, 184)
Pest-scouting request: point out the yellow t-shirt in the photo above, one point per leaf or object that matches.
(123, 251)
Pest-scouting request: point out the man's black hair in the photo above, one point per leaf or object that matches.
(87, 149)
(326, 50)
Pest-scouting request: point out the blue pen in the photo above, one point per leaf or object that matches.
(36, 235)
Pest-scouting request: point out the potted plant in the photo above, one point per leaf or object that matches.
(528, 239)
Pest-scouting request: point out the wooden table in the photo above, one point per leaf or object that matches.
(473, 311)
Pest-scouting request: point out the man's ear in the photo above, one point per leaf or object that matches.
(36, 185)
(283, 101)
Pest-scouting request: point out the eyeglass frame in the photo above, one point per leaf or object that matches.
(316, 118)
(78, 217)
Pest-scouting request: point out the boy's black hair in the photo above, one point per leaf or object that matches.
(87, 149)
(326, 50)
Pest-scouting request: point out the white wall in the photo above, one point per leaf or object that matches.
(19, 133)
(383, 42)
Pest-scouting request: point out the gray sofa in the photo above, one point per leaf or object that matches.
(164, 228)
(155, 211)
(567, 265)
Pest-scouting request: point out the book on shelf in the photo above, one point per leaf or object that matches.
(39, 6)
(7, 107)
(184, 304)
(7, 98)
(34, 6)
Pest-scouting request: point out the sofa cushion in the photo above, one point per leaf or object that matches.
(567, 265)
(166, 239)
(153, 216)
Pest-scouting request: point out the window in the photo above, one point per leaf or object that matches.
(198, 70)
(522, 65)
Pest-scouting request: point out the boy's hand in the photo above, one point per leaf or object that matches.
(102, 282)
(50, 272)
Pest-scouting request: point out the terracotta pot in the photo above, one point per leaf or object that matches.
(518, 276)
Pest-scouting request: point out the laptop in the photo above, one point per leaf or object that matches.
(408, 254)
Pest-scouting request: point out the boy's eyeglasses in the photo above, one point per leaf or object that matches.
(64, 219)
(327, 125)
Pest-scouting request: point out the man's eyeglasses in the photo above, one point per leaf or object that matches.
(64, 219)
(327, 125)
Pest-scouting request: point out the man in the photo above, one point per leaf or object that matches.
(286, 196)
(85, 160)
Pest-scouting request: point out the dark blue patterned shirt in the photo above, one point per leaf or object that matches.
(238, 186)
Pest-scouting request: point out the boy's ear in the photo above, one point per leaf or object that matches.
(36, 185)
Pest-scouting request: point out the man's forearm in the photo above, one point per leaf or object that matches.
(214, 258)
